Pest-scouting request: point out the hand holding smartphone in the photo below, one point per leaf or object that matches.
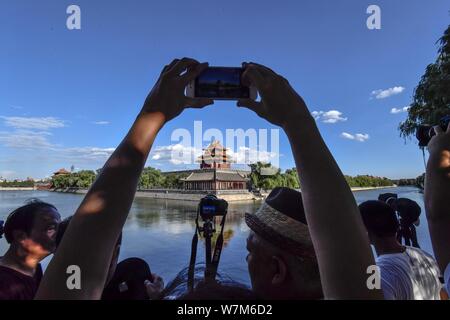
(220, 83)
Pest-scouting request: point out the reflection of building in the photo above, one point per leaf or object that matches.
(215, 173)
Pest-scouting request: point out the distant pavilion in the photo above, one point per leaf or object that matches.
(215, 172)
(61, 172)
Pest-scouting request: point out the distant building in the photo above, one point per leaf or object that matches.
(61, 172)
(215, 172)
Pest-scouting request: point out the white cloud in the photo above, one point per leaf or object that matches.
(331, 116)
(101, 123)
(399, 110)
(175, 154)
(247, 155)
(42, 123)
(85, 153)
(361, 137)
(26, 139)
(385, 93)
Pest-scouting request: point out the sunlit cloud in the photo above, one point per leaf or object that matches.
(361, 137)
(42, 123)
(100, 123)
(331, 116)
(26, 139)
(400, 110)
(385, 93)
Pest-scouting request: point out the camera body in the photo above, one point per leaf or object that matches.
(424, 133)
(220, 83)
(211, 206)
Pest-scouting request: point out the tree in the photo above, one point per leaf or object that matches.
(431, 99)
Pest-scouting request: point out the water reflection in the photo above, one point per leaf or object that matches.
(160, 231)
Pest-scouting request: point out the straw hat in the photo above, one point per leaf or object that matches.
(281, 221)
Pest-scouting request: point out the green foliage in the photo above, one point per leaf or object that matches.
(81, 179)
(365, 181)
(431, 99)
(17, 184)
(260, 179)
(150, 178)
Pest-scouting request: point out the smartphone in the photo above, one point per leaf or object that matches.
(220, 83)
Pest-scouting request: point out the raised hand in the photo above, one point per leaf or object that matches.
(167, 96)
(279, 104)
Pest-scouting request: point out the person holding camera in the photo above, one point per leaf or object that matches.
(93, 232)
(343, 261)
(408, 212)
(437, 198)
(90, 238)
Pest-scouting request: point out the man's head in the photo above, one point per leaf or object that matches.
(115, 257)
(379, 218)
(33, 227)
(281, 259)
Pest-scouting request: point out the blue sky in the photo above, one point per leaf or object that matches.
(67, 97)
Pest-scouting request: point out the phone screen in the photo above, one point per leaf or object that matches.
(221, 83)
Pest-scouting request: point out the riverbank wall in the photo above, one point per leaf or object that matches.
(196, 195)
(182, 195)
(17, 188)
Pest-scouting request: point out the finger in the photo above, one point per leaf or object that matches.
(263, 69)
(169, 66)
(198, 102)
(252, 76)
(438, 130)
(250, 104)
(182, 65)
(194, 72)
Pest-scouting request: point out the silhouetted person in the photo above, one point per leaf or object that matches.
(30, 230)
(407, 273)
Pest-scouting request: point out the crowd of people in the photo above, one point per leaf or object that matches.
(302, 245)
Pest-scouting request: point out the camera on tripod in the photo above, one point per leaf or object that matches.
(211, 206)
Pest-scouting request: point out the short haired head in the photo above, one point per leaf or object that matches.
(34, 226)
(379, 218)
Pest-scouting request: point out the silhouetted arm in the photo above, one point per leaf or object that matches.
(338, 234)
(97, 223)
(437, 195)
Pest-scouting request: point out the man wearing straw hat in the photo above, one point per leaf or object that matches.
(281, 259)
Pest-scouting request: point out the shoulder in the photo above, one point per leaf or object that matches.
(421, 257)
(8, 281)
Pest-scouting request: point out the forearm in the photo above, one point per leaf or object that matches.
(339, 237)
(437, 187)
(101, 216)
(437, 204)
